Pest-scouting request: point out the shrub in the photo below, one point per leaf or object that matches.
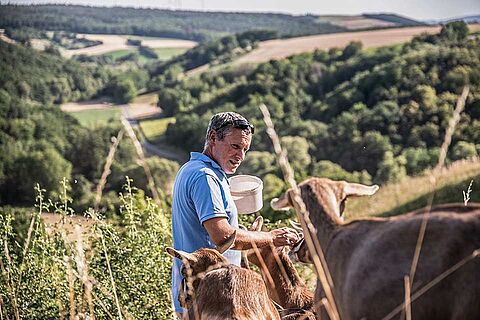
(56, 272)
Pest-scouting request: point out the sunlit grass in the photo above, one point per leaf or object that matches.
(148, 98)
(119, 53)
(154, 128)
(168, 53)
(413, 192)
(90, 118)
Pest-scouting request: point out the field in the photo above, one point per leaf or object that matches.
(282, 48)
(164, 54)
(357, 22)
(102, 110)
(168, 53)
(119, 42)
(154, 128)
(119, 53)
(90, 118)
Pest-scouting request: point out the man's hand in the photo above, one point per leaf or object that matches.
(284, 237)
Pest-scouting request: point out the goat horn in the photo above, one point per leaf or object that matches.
(257, 224)
(228, 243)
(357, 189)
(281, 204)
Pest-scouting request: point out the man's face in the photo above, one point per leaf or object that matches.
(230, 151)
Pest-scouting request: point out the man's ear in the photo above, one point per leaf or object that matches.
(212, 136)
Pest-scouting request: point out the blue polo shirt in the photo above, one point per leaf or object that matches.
(201, 192)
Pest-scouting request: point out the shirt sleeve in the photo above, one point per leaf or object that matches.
(208, 198)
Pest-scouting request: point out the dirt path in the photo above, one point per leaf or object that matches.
(3, 37)
(279, 49)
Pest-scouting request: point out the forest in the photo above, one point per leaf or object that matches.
(41, 144)
(376, 115)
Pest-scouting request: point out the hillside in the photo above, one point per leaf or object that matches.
(190, 25)
(400, 197)
(46, 78)
(282, 48)
(41, 144)
(369, 21)
(362, 115)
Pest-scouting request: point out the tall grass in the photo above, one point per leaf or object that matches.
(67, 270)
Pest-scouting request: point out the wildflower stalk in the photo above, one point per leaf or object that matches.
(111, 277)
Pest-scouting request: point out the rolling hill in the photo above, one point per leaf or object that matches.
(190, 25)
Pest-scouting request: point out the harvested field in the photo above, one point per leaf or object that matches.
(119, 42)
(279, 49)
(95, 104)
(141, 107)
(357, 22)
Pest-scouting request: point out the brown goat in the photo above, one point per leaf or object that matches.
(368, 258)
(220, 290)
(284, 285)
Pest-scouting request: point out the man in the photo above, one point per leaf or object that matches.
(203, 212)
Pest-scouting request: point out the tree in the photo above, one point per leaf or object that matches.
(463, 150)
(163, 173)
(124, 90)
(297, 148)
(369, 152)
(46, 167)
(419, 159)
(454, 31)
(258, 163)
(390, 169)
(351, 49)
(331, 170)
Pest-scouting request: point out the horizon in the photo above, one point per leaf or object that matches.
(426, 10)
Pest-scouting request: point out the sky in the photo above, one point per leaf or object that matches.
(416, 9)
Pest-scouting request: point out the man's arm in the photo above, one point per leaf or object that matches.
(219, 230)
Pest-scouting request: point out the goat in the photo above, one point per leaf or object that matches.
(220, 290)
(284, 285)
(368, 258)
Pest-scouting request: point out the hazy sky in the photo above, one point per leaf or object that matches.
(417, 9)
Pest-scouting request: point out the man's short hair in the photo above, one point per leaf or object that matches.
(223, 122)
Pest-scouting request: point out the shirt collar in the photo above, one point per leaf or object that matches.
(203, 157)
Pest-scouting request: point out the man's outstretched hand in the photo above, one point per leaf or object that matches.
(284, 237)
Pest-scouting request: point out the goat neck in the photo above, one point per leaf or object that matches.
(283, 283)
(322, 204)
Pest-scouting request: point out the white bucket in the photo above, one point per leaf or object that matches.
(247, 193)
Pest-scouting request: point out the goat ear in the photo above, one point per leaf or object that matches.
(282, 203)
(257, 224)
(357, 189)
(182, 255)
(228, 243)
